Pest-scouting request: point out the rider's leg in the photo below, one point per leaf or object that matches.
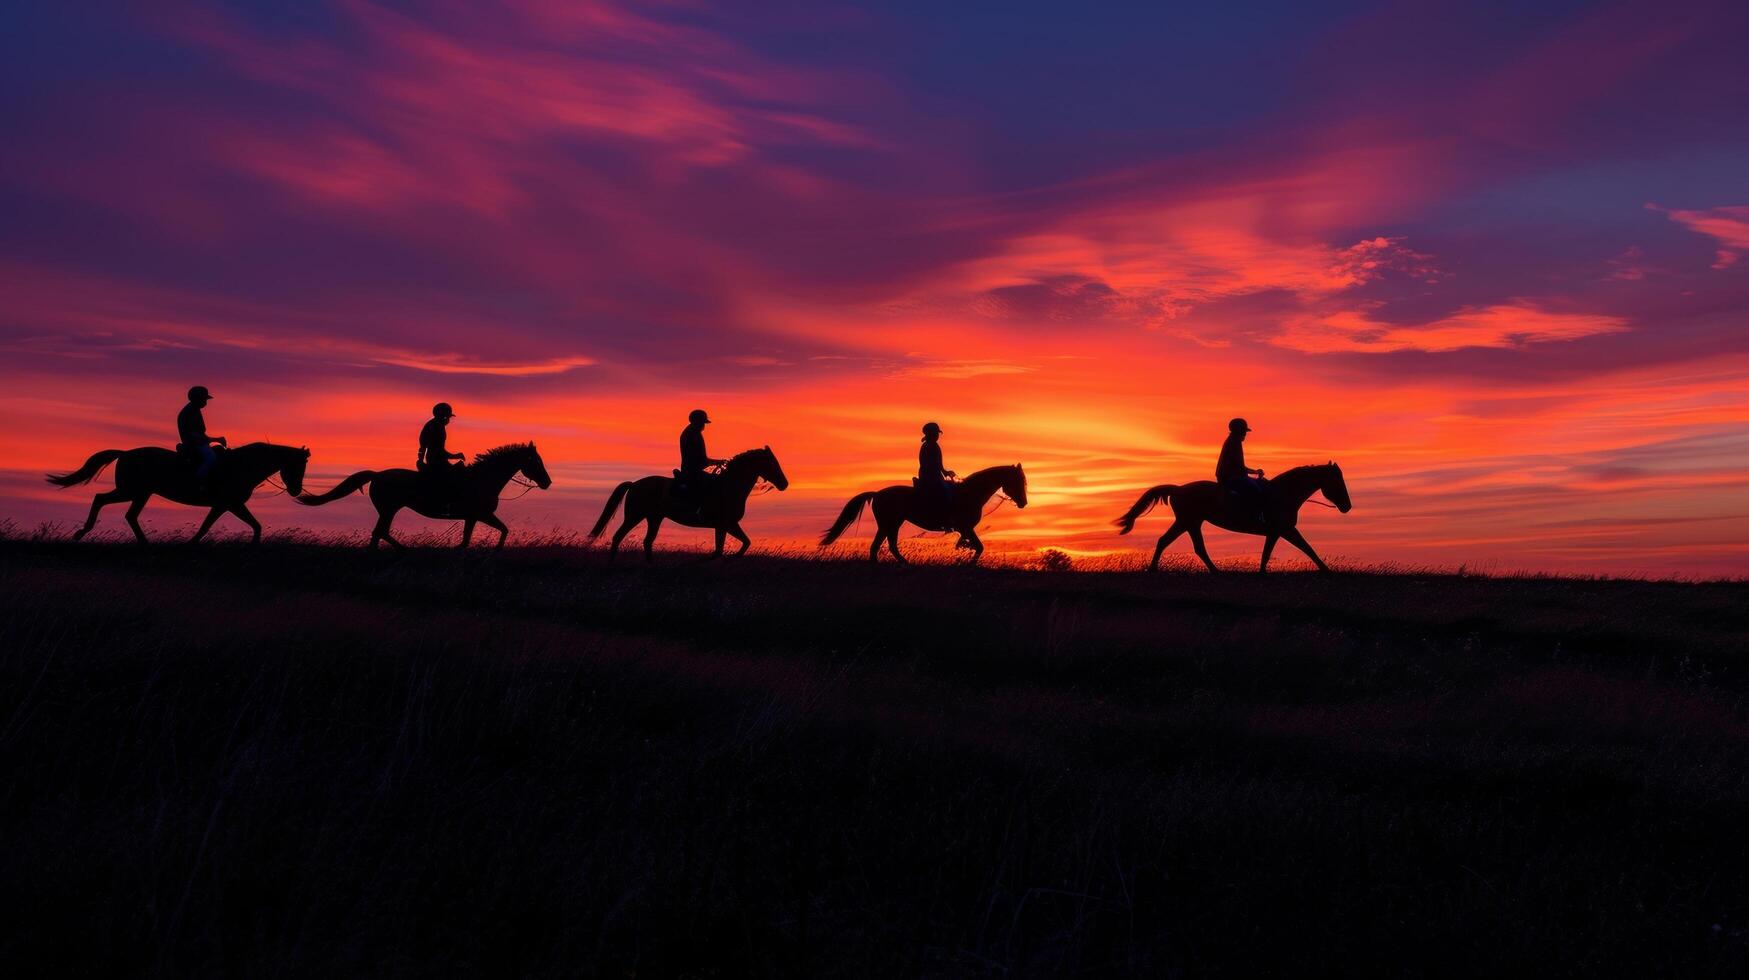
(99, 502)
(134, 509)
(1166, 540)
(1293, 537)
(206, 525)
(1195, 532)
(243, 514)
(1268, 546)
(208, 456)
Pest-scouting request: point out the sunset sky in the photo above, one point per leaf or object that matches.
(1493, 258)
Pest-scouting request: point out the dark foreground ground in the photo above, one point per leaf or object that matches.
(305, 761)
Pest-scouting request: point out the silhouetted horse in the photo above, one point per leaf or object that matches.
(1205, 500)
(722, 503)
(895, 505)
(140, 473)
(469, 494)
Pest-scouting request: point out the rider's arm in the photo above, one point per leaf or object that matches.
(465, 456)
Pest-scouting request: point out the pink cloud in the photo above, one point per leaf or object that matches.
(1728, 225)
(1512, 325)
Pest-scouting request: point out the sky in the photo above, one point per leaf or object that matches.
(1492, 258)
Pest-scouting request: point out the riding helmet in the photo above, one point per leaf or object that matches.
(931, 429)
(442, 410)
(698, 417)
(199, 393)
(1238, 425)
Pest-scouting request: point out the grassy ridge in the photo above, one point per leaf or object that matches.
(302, 759)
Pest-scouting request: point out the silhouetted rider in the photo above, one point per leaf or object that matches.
(191, 433)
(932, 476)
(1237, 478)
(694, 461)
(434, 454)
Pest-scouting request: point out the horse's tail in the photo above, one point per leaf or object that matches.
(1146, 503)
(351, 484)
(851, 512)
(88, 472)
(619, 494)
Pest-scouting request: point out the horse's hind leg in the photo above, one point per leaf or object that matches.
(1195, 532)
(134, 509)
(625, 528)
(1293, 537)
(206, 524)
(1165, 541)
(99, 502)
(892, 534)
(381, 531)
(651, 525)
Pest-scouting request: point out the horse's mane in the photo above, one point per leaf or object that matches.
(743, 454)
(1296, 471)
(992, 469)
(508, 449)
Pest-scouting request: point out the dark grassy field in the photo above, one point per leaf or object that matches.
(306, 761)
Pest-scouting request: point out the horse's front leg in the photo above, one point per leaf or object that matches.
(972, 542)
(467, 532)
(242, 512)
(492, 521)
(1294, 538)
(1268, 546)
(742, 537)
(722, 535)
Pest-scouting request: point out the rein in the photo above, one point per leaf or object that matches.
(526, 486)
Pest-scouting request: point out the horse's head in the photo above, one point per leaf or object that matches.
(1014, 484)
(769, 469)
(293, 462)
(1334, 488)
(533, 467)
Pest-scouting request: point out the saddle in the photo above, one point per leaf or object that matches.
(439, 486)
(933, 502)
(693, 493)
